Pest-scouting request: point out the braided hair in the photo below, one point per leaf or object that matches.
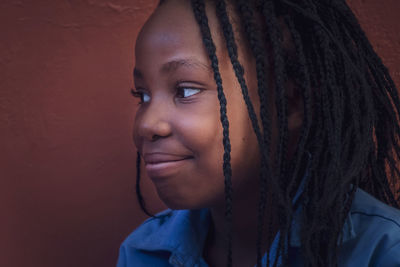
(350, 124)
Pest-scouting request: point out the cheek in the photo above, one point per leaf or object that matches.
(245, 154)
(200, 130)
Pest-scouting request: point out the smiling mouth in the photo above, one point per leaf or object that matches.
(163, 165)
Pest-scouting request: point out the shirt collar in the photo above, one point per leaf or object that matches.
(180, 232)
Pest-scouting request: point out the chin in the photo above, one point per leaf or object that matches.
(176, 202)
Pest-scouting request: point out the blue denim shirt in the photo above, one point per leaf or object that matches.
(371, 237)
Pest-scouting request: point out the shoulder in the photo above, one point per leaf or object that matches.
(367, 203)
(373, 233)
(367, 212)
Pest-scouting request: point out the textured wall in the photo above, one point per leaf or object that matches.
(67, 159)
(380, 20)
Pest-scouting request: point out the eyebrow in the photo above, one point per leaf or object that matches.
(173, 65)
(189, 62)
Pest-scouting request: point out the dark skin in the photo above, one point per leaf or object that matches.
(179, 119)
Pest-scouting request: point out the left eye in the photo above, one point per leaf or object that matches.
(184, 92)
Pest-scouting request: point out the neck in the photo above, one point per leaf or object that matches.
(244, 232)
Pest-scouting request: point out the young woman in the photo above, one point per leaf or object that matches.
(270, 129)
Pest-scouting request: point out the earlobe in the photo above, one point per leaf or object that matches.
(295, 106)
(295, 120)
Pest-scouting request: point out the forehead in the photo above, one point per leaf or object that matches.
(172, 25)
(172, 29)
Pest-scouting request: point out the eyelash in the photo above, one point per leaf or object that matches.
(138, 94)
(190, 88)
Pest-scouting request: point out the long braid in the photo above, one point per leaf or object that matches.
(382, 79)
(284, 211)
(238, 69)
(331, 166)
(256, 43)
(326, 122)
(198, 7)
(362, 41)
(139, 195)
(308, 242)
(281, 98)
(305, 85)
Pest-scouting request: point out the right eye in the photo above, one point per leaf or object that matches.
(144, 97)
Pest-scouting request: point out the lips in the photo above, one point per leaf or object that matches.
(154, 158)
(161, 164)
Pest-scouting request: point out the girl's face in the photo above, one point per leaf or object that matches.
(177, 127)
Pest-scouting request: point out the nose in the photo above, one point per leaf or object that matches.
(153, 122)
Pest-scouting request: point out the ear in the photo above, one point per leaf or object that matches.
(295, 106)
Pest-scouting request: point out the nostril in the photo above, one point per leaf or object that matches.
(155, 137)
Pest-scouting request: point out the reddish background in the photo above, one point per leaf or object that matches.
(67, 163)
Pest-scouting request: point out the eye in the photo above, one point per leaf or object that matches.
(144, 97)
(184, 92)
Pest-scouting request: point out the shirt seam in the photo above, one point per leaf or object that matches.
(376, 215)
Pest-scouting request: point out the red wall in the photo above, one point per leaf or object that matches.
(67, 162)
